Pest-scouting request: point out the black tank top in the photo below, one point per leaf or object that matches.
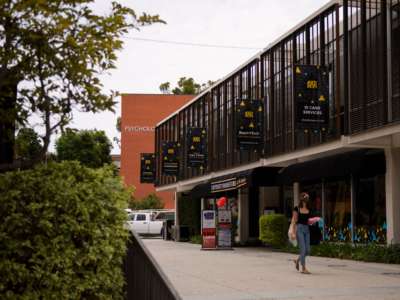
(302, 218)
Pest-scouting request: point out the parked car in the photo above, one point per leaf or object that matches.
(165, 215)
(144, 223)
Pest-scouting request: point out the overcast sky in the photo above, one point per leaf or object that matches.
(142, 66)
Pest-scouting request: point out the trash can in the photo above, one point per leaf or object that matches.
(183, 233)
(167, 229)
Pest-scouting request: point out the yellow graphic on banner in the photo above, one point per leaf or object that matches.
(242, 103)
(312, 84)
(147, 162)
(298, 71)
(171, 151)
(260, 108)
(196, 139)
(251, 125)
(192, 148)
(322, 98)
(249, 114)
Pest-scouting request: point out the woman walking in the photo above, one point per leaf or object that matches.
(301, 214)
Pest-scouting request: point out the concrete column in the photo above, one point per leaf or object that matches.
(296, 194)
(243, 215)
(177, 237)
(393, 195)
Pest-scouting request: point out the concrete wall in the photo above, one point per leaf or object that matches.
(269, 197)
(243, 196)
(393, 195)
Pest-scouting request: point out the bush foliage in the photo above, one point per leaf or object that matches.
(91, 148)
(273, 230)
(369, 253)
(62, 233)
(151, 201)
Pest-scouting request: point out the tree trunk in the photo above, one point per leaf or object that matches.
(8, 101)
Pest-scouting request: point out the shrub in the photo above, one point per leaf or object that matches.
(273, 230)
(62, 233)
(151, 201)
(369, 253)
(196, 239)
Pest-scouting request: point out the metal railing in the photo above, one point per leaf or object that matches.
(144, 278)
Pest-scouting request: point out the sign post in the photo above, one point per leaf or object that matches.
(208, 230)
(224, 229)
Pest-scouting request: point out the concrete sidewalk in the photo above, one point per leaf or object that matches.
(256, 273)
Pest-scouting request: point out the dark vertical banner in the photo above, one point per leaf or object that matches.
(170, 158)
(196, 147)
(311, 97)
(249, 123)
(147, 167)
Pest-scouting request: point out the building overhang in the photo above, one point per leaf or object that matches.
(382, 138)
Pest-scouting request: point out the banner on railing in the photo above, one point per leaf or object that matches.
(170, 158)
(249, 122)
(147, 167)
(311, 97)
(197, 147)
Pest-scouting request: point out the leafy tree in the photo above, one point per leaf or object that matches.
(165, 88)
(116, 139)
(91, 147)
(118, 125)
(152, 201)
(27, 144)
(185, 86)
(51, 57)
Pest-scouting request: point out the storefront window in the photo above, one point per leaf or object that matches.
(288, 201)
(370, 210)
(209, 204)
(315, 192)
(337, 208)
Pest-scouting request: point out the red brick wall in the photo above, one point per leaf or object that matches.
(144, 110)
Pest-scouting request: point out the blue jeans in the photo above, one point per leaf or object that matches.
(303, 239)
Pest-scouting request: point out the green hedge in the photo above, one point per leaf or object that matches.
(273, 230)
(61, 233)
(368, 253)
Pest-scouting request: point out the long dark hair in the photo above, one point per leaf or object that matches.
(304, 200)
